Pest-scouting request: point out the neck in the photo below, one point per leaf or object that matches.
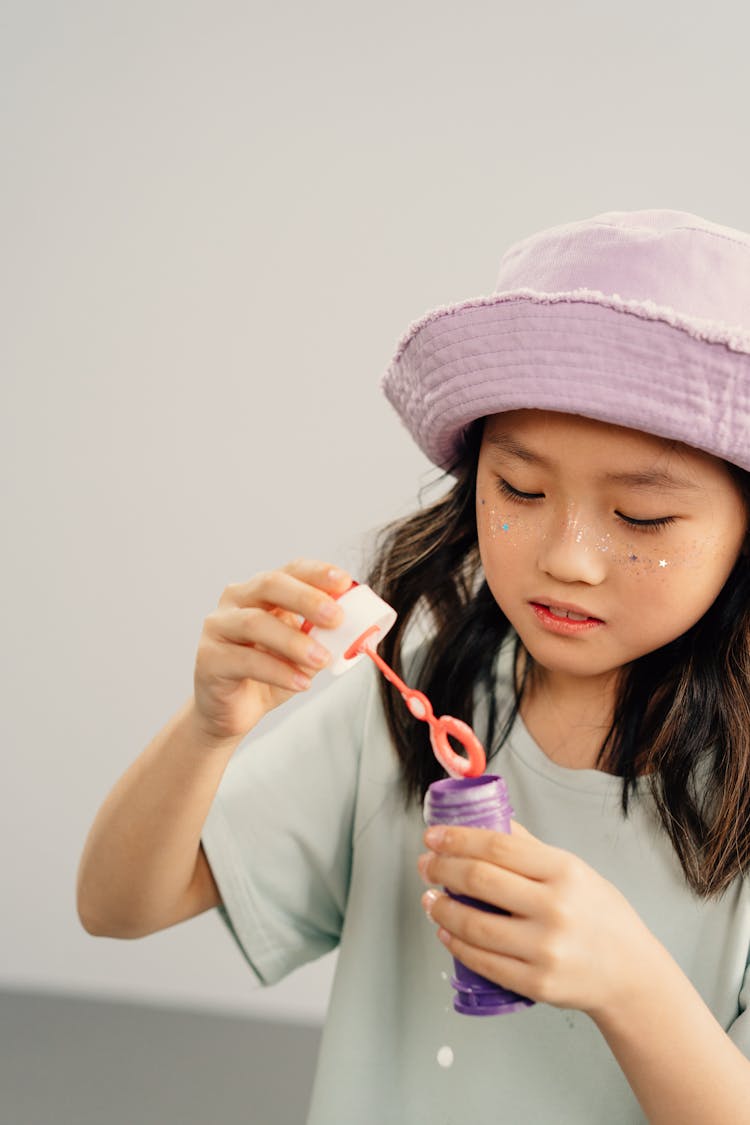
(569, 716)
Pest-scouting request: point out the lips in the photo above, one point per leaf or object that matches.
(565, 611)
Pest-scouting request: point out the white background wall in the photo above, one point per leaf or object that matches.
(217, 219)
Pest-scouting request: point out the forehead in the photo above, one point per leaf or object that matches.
(551, 434)
(561, 442)
(548, 425)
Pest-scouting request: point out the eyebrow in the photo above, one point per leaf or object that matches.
(642, 479)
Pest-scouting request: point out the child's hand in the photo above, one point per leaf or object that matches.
(571, 938)
(252, 654)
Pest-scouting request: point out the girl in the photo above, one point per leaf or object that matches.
(586, 590)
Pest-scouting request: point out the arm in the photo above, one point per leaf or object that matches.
(142, 867)
(681, 1065)
(572, 940)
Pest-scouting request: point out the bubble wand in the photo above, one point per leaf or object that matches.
(367, 619)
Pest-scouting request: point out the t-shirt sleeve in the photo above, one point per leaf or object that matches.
(278, 837)
(739, 1029)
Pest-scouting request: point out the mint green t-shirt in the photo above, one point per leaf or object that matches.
(312, 847)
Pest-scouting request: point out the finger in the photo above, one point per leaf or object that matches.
(509, 972)
(278, 590)
(332, 579)
(518, 852)
(261, 629)
(495, 933)
(239, 663)
(486, 882)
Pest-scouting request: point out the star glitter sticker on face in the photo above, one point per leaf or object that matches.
(662, 562)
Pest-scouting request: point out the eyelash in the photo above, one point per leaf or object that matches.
(652, 526)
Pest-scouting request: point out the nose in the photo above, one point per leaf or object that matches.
(570, 552)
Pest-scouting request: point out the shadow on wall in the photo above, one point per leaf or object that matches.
(72, 1061)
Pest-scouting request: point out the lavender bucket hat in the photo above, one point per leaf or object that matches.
(641, 319)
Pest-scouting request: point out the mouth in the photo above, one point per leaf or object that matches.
(565, 612)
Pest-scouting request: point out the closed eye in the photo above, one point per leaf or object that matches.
(514, 494)
(522, 497)
(650, 525)
(646, 525)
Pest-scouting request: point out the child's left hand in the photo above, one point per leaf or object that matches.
(570, 939)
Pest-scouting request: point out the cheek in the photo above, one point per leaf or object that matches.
(495, 525)
(688, 564)
(669, 590)
(646, 558)
(504, 532)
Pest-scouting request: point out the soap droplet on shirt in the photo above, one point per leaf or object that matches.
(445, 1057)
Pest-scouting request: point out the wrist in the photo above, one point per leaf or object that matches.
(645, 972)
(199, 734)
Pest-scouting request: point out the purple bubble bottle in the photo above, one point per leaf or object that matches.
(480, 802)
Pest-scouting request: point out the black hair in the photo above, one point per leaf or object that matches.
(681, 722)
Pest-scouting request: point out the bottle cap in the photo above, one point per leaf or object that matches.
(364, 613)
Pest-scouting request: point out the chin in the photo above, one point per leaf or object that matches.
(557, 659)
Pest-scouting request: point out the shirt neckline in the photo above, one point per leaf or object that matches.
(524, 747)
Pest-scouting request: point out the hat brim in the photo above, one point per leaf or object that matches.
(575, 357)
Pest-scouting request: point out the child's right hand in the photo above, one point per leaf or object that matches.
(252, 654)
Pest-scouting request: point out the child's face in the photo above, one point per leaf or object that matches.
(635, 534)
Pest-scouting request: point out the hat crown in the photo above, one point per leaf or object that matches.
(639, 319)
(671, 259)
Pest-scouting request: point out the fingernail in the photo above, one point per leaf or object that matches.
(422, 865)
(429, 898)
(434, 836)
(328, 611)
(336, 575)
(301, 683)
(317, 654)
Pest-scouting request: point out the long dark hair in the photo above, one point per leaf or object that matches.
(681, 722)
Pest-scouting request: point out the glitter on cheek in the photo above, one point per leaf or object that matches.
(639, 565)
(642, 566)
(674, 554)
(497, 522)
